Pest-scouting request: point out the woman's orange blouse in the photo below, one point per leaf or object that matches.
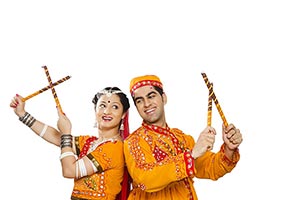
(160, 164)
(108, 158)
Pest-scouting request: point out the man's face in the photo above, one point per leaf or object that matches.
(150, 105)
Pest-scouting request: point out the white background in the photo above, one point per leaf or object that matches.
(248, 49)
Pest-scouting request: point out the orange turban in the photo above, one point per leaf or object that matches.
(140, 81)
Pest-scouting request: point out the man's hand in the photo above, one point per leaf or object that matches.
(232, 137)
(205, 142)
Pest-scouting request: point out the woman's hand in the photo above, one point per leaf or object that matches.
(64, 125)
(18, 105)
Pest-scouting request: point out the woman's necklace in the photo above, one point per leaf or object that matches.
(102, 140)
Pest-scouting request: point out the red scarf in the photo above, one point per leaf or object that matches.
(123, 195)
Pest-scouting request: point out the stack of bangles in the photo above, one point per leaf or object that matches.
(80, 169)
(66, 141)
(27, 119)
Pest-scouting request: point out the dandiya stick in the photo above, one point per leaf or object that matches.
(52, 88)
(209, 110)
(46, 88)
(213, 96)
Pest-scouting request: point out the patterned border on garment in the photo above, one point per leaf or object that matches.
(225, 159)
(189, 163)
(76, 198)
(77, 146)
(144, 83)
(95, 162)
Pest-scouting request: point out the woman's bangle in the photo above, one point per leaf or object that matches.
(27, 119)
(65, 154)
(42, 133)
(66, 140)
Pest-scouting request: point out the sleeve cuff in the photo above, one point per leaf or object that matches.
(228, 161)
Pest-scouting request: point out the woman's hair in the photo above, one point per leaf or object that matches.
(113, 90)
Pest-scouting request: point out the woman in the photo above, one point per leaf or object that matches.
(95, 163)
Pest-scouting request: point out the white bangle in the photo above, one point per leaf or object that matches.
(82, 168)
(44, 130)
(76, 170)
(65, 154)
(94, 167)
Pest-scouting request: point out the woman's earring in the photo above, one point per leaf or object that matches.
(122, 125)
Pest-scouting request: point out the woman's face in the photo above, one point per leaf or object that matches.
(109, 111)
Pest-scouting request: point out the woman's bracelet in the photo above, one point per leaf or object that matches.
(42, 133)
(27, 119)
(65, 154)
(66, 140)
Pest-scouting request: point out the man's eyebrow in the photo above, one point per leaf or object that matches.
(152, 92)
(147, 95)
(137, 98)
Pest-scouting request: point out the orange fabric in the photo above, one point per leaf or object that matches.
(105, 184)
(144, 80)
(165, 177)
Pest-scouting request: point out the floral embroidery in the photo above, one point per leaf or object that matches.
(162, 142)
(90, 183)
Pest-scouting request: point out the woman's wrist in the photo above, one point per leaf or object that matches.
(27, 119)
(21, 114)
(66, 140)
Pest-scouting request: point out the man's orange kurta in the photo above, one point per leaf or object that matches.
(160, 164)
(106, 183)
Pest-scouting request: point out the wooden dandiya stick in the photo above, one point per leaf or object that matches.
(209, 110)
(213, 96)
(46, 88)
(52, 88)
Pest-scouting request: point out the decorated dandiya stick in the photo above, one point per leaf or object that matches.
(52, 88)
(214, 98)
(209, 110)
(46, 88)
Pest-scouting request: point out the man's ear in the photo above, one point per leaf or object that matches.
(164, 98)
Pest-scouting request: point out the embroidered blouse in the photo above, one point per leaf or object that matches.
(108, 158)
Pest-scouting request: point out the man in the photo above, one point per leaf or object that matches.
(163, 161)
